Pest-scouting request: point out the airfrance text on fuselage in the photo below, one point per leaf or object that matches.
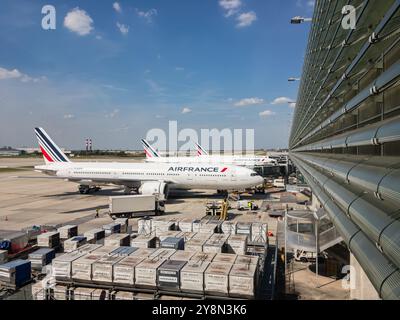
(194, 169)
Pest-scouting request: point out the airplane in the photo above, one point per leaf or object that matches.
(147, 178)
(203, 157)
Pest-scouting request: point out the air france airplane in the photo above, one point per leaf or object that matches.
(148, 178)
(203, 157)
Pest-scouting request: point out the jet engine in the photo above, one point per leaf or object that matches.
(157, 188)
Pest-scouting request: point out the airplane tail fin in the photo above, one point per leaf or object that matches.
(149, 150)
(51, 152)
(200, 150)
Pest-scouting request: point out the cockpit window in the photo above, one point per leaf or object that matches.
(254, 174)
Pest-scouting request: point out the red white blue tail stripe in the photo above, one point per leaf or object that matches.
(200, 150)
(149, 150)
(51, 152)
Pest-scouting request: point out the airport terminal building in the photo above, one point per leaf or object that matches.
(345, 137)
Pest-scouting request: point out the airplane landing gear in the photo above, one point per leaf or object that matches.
(87, 189)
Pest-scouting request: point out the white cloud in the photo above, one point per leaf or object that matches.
(266, 113)
(186, 110)
(99, 37)
(246, 19)
(282, 100)
(292, 104)
(249, 102)
(124, 29)
(78, 21)
(179, 68)
(112, 114)
(154, 86)
(117, 7)
(148, 15)
(230, 7)
(69, 116)
(16, 74)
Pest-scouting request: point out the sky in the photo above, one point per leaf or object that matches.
(114, 70)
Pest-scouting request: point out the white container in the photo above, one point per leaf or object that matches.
(62, 265)
(162, 225)
(117, 240)
(259, 232)
(103, 269)
(244, 228)
(216, 244)
(195, 244)
(124, 295)
(48, 240)
(187, 235)
(100, 294)
(243, 280)
(182, 255)
(60, 292)
(3, 256)
(168, 234)
(68, 231)
(146, 272)
(82, 268)
(83, 293)
(186, 225)
(225, 258)
(132, 204)
(162, 253)
(208, 228)
(124, 222)
(228, 227)
(237, 243)
(143, 252)
(144, 226)
(216, 278)
(95, 234)
(201, 257)
(192, 276)
(144, 241)
(203, 236)
(124, 270)
(38, 291)
(88, 248)
(74, 243)
(244, 259)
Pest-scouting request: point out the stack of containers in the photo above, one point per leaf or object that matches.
(82, 268)
(192, 275)
(38, 292)
(228, 227)
(95, 235)
(162, 235)
(259, 232)
(182, 255)
(162, 225)
(196, 225)
(124, 270)
(186, 225)
(112, 228)
(17, 241)
(89, 247)
(15, 273)
(144, 226)
(49, 240)
(144, 241)
(117, 240)
(41, 258)
(173, 243)
(143, 252)
(237, 243)
(123, 251)
(62, 265)
(124, 222)
(216, 243)
(201, 256)
(195, 244)
(68, 231)
(187, 235)
(103, 269)
(123, 295)
(61, 293)
(162, 254)
(74, 243)
(168, 274)
(146, 272)
(243, 278)
(208, 228)
(225, 258)
(216, 278)
(215, 223)
(82, 293)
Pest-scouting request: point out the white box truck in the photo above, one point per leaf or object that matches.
(135, 206)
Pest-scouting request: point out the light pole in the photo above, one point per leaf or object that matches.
(299, 20)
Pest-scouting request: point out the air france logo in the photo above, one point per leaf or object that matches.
(197, 169)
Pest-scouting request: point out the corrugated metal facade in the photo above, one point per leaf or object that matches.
(345, 137)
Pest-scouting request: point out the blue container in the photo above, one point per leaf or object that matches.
(45, 255)
(123, 251)
(17, 272)
(173, 243)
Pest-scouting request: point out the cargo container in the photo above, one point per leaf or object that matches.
(244, 259)
(192, 276)
(144, 241)
(14, 242)
(135, 206)
(162, 253)
(216, 278)
(196, 225)
(173, 243)
(82, 268)
(208, 228)
(259, 233)
(124, 270)
(228, 227)
(100, 294)
(15, 273)
(82, 293)
(32, 232)
(244, 228)
(123, 251)
(187, 235)
(95, 234)
(74, 243)
(168, 274)
(225, 258)
(182, 255)
(186, 225)
(60, 293)
(146, 272)
(104, 250)
(195, 244)
(215, 245)
(144, 225)
(162, 235)
(62, 265)
(49, 239)
(68, 231)
(216, 223)
(243, 280)
(202, 236)
(124, 222)
(38, 291)
(162, 225)
(117, 240)
(143, 252)
(123, 295)
(103, 269)
(201, 256)
(87, 248)
(3, 256)
(112, 228)
(41, 258)
(237, 243)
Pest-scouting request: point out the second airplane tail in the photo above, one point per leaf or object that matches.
(149, 150)
(51, 152)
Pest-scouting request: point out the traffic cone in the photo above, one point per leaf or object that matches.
(6, 219)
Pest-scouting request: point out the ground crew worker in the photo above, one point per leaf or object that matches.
(97, 213)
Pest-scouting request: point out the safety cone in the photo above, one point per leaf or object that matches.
(6, 218)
